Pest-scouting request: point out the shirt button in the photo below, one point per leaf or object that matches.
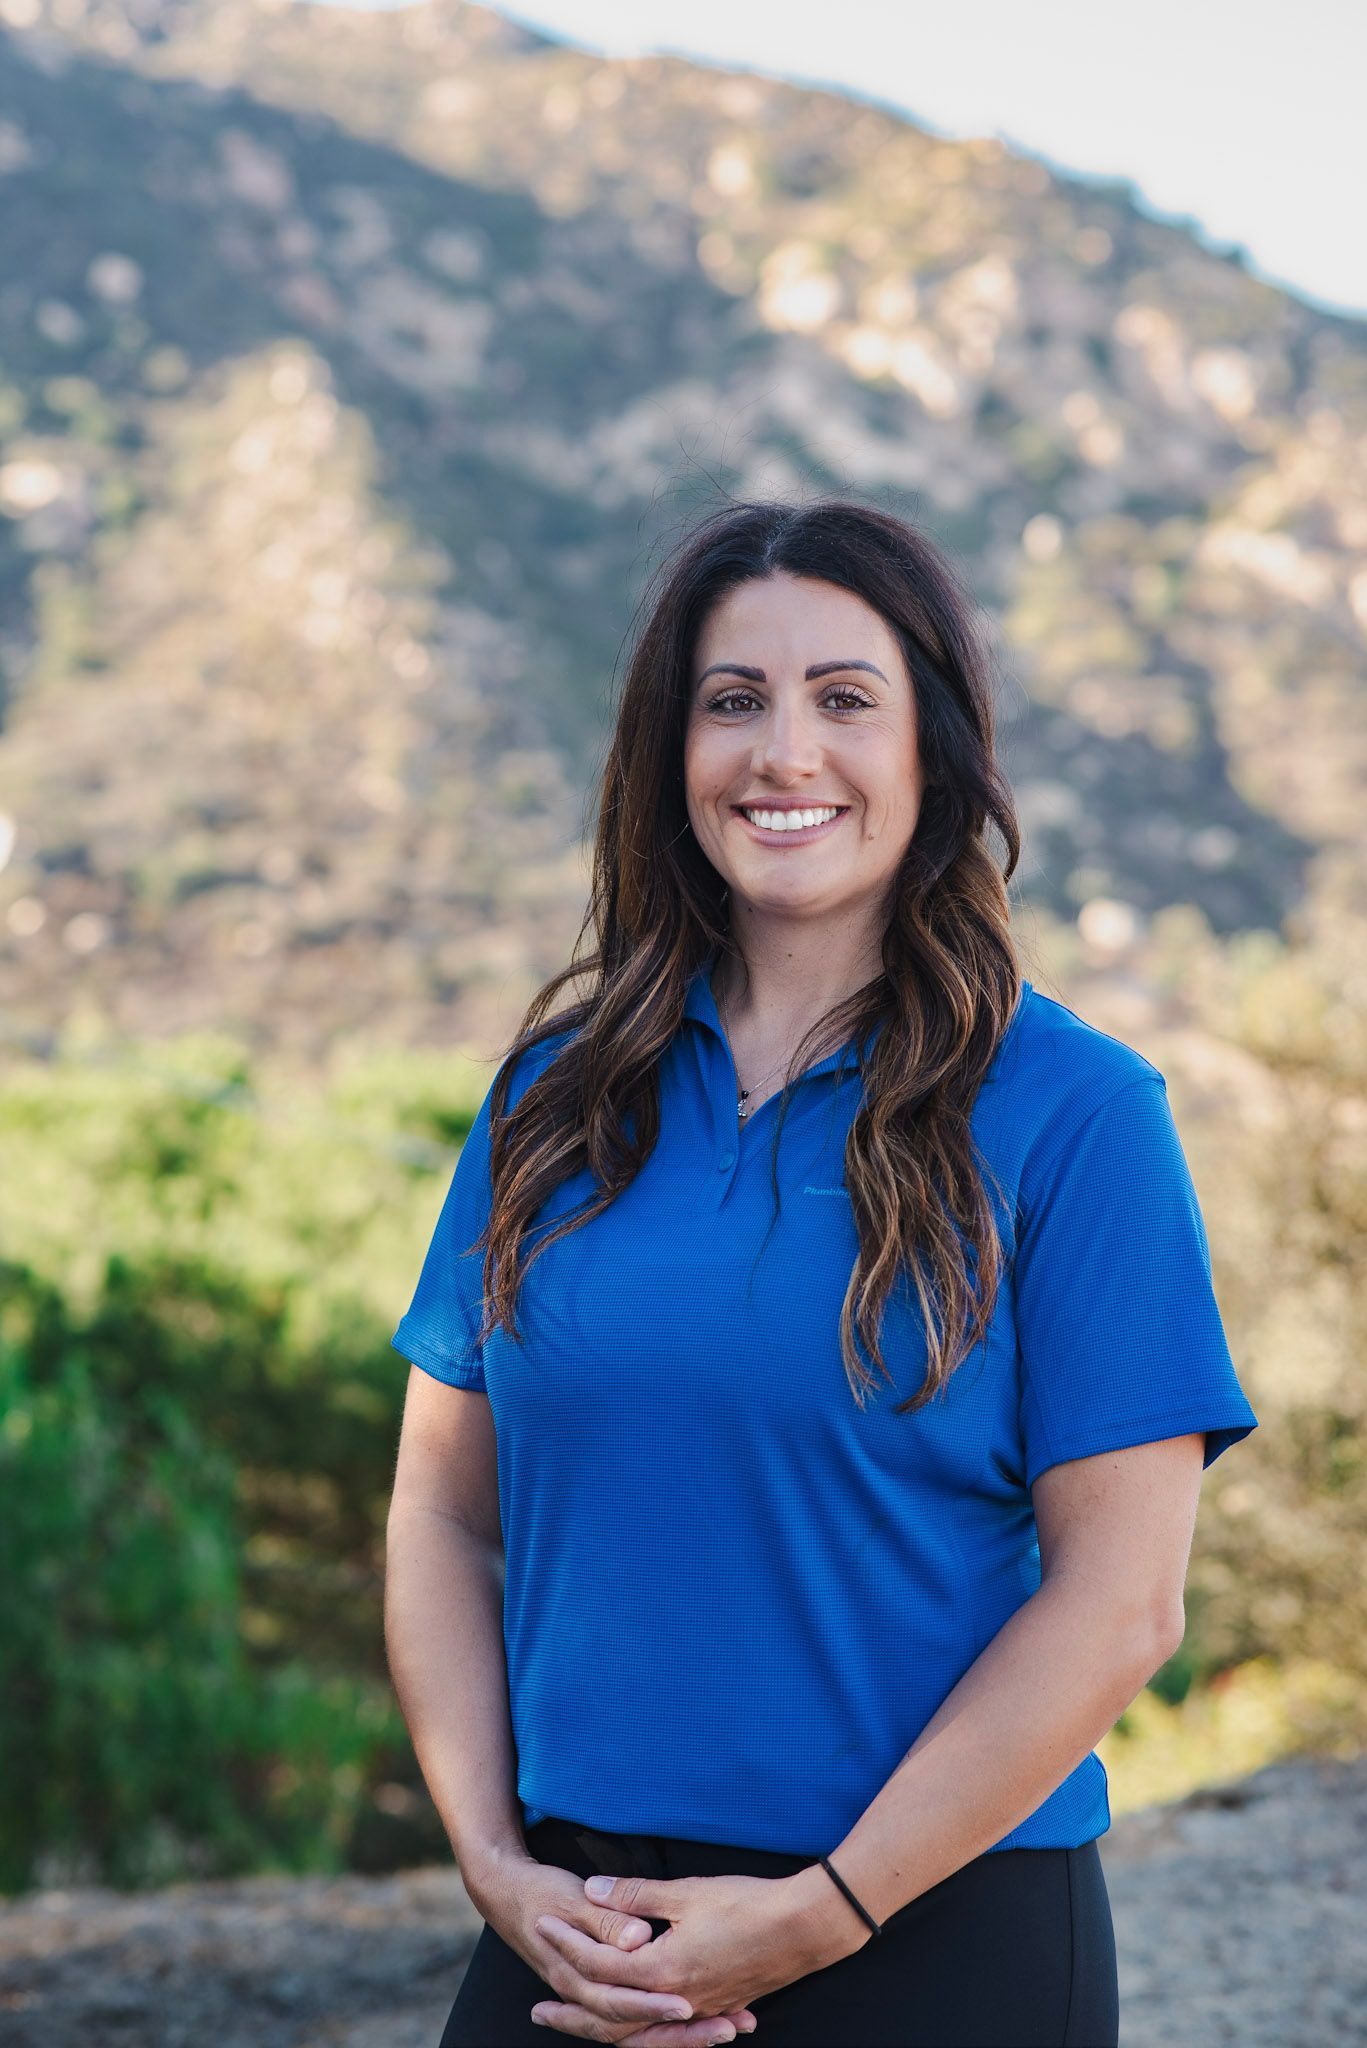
(726, 1162)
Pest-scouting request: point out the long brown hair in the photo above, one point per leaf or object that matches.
(657, 908)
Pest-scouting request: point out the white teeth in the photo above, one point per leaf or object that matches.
(790, 821)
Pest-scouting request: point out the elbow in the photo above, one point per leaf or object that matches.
(1144, 1637)
(1166, 1630)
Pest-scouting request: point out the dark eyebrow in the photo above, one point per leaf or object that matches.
(818, 668)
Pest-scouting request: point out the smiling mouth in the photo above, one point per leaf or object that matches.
(789, 822)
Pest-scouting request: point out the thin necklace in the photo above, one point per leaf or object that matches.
(743, 1100)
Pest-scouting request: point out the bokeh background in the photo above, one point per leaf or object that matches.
(356, 364)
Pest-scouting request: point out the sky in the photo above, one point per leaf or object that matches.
(1241, 117)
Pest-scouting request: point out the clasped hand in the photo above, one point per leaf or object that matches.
(729, 1940)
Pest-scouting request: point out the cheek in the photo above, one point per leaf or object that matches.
(707, 767)
(889, 803)
(885, 769)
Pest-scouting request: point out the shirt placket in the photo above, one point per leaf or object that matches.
(736, 1140)
(733, 1141)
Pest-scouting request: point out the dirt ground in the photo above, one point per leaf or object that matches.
(1240, 1914)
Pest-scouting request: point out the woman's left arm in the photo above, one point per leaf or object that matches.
(1115, 1536)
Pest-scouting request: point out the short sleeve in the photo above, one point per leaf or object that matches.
(440, 1329)
(1119, 1332)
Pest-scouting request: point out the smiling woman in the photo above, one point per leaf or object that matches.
(821, 1317)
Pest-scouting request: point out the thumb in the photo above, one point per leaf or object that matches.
(627, 1895)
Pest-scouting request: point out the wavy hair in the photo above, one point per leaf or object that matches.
(657, 907)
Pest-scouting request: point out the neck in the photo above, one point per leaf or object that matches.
(787, 977)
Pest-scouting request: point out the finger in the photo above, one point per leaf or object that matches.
(601, 1966)
(584, 2025)
(616, 1931)
(695, 2033)
(629, 1897)
(659, 1898)
(576, 2021)
(601, 1995)
(699, 2033)
(610, 2004)
(601, 2022)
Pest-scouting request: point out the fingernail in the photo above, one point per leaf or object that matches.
(599, 1887)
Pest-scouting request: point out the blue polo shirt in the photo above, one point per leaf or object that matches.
(733, 1597)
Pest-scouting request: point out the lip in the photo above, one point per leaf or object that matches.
(804, 835)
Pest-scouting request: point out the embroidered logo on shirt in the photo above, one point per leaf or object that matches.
(841, 1190)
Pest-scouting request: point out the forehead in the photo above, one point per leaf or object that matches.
(780, 618)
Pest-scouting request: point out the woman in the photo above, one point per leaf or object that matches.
(821, 1317)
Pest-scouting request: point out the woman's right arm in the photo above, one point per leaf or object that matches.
(443, 1622)
(443, 1607)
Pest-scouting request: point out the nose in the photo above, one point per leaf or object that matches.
(786, 744)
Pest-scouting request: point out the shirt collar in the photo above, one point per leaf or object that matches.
(700, 1002)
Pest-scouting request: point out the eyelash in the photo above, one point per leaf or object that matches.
(721, 701)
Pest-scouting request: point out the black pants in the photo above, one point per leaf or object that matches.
(1013, 1950)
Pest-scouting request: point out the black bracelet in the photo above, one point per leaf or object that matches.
(825, 1864)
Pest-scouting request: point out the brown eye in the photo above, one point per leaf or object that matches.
(728, 700)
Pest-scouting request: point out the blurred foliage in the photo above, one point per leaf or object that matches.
(154, 1744)
(1243, 1718)
(198, 1416)
(1264, 1046)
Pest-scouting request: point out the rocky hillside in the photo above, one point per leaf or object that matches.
(1238, 1919)
(354, 368)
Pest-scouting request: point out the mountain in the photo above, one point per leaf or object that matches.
(356, 368)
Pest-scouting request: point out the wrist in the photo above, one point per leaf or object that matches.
(486, 1869)
(825, 1923)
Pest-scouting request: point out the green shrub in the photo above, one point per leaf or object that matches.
(150, 1742)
